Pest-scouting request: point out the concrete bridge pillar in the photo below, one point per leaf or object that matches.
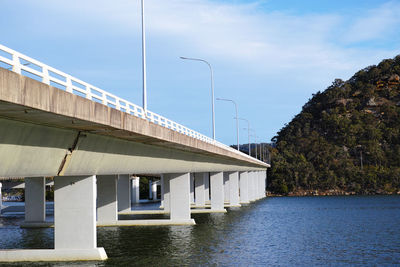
(107, 210)
(207, 187)
(154, 189)
(135, 193)
(75, 217)
(150, 191)
(179, 196)
(234, 189)
(1, 197)
(252, 186)
(35, 199)
(265, 181)
(165, 192)
(192, 188)
(226, 188)
(217, 190)
(260, 185)
(199, 179)
(124, 192)
(244, 187)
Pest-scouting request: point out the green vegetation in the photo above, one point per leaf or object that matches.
(346, 138)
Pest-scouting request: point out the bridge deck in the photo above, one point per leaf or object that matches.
(26, 100)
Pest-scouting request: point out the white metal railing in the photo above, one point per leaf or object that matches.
(30, 67)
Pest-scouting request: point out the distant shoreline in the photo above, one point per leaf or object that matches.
(307, 193)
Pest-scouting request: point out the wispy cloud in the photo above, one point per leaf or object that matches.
(245, 32)
(380, 23)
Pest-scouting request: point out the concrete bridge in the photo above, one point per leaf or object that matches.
(92, 143)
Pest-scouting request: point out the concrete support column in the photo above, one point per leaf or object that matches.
(217, 190)
(260, 185)
(135, 193)
(154, 190)
(207, 187)
(107, 210)
(1, 197)
(74, 225)
(75, 212)
(124, 193)
(252, 187)
(35, 199)
(234, 189)
(179, 195)
(226, 187)
(150, 190)
(191, 188)
(244, 187)
(257, 185)
(165, 191)
(199, 179)
(264, 181)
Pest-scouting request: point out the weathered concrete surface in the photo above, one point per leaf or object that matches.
(46, 131)
(20, 255)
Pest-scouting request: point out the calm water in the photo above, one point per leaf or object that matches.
(283, 231)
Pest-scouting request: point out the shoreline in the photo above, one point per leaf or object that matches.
(308, 193)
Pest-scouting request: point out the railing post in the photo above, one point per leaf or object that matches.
(45, 78)
(16, 64)
(69, 85)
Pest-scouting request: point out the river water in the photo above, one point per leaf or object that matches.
(276, 231)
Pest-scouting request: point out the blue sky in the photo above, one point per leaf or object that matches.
(269, 56)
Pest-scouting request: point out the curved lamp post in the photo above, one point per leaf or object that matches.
(237, 122)
(248, 131)
(212, 90)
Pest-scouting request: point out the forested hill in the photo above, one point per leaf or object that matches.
(346, 138)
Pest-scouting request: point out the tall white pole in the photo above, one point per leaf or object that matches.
(248, 132)
(144, 62)
(237, 119)
(212, 91)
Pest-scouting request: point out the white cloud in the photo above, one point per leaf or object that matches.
(241, 32)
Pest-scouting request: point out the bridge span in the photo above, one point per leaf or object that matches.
(91, 143)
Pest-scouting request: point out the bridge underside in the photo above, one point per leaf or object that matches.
(31, 150)
(48, 132)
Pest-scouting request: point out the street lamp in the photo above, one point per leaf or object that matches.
(237, 122)
(212, 91)
(248, 131)
(144, 63)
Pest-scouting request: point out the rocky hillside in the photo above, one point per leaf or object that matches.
(345, 139)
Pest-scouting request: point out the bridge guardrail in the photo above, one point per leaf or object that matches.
(30, 67)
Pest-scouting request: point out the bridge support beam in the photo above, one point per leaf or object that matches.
(192, 188)
(165, 193)
(199, 182)
(207, 187)
(154, 190)
(244, 187)
(124, 193)
(260, 185)
(179, 197)
(35, 200)
(252, 187)
(226, 188)
(234, 189)
(261, 174)
(1, 197)
(74, 225)
(107, 210)
(135, 193)
(217, 191)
